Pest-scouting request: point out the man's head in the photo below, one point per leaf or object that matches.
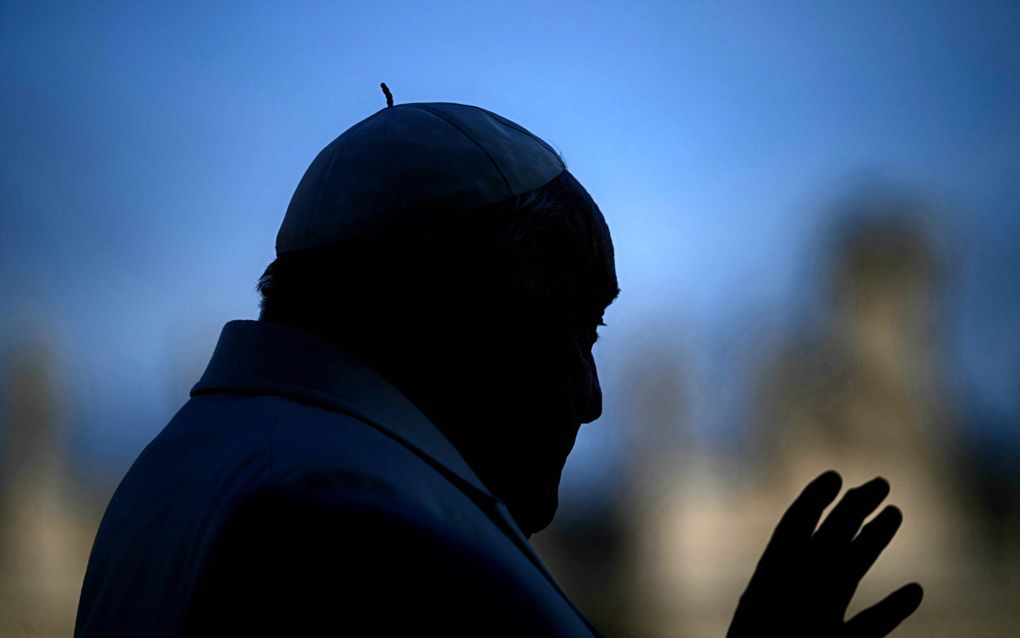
(485, 318)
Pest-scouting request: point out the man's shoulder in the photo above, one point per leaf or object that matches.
(304, 446)
(298, 442)
(352, 513)
(269, 503)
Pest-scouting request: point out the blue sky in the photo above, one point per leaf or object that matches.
(150, 150)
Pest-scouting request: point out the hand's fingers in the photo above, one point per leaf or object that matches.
(874, 538)
(842, 523)
(800, 519)
(880, 619)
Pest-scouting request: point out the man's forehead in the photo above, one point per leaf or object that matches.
(597, 285)
(605, 262)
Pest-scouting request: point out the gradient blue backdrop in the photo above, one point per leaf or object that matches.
(149, 152)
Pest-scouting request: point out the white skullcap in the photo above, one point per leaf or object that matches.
(383, 172)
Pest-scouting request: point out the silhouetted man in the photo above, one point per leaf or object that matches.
(372, 455)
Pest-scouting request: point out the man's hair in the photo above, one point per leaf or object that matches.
(528, 249)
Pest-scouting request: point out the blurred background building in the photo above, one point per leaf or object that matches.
(861, 388)
(816, 217)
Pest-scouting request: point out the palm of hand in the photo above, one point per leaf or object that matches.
(805, 579)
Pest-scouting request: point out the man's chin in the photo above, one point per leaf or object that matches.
(542, 511)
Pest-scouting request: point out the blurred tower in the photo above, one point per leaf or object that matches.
(862, 393)
(865, 395)
(44, 544)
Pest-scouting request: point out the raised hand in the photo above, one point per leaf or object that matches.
(806, 576)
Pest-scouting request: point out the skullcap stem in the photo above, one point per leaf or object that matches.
(386, 92)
